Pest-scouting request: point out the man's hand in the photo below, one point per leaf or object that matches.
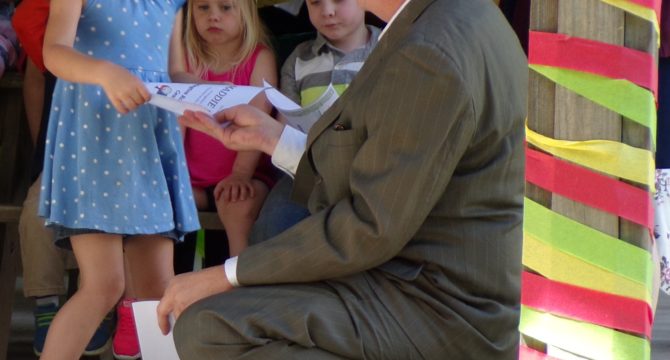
(248, 128)
(185, 289)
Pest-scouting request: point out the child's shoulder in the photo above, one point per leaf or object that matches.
(307, 48)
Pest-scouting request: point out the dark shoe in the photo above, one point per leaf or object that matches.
(43, 316)
(102, 338)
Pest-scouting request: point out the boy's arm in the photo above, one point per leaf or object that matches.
(288, 84)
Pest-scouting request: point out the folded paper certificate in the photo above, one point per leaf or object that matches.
(153, 344)
(301, 118)
(209, 98)
(212, 98)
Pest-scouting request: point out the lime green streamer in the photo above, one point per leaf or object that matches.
(200, 243)
(610, 157)
(641, 11)
(584, 339)
(588, 244)
(621, 96)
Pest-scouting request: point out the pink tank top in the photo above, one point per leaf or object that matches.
(208, 160)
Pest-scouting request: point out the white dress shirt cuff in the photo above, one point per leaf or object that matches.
(289, 150)
(230, 266)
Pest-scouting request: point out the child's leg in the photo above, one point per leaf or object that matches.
(200, 197)
(33, 97)
(238, 217)
(149, 266)
(101, 284)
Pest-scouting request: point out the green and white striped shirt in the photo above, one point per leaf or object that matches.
(315, 64)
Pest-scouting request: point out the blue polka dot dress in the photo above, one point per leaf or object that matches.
(121, 174)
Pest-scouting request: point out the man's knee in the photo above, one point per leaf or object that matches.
(202, 330)
(186, 334)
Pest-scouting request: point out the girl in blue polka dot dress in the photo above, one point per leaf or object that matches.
(115, 180)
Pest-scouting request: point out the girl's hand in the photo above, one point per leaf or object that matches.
(235, 187)
(124, 90)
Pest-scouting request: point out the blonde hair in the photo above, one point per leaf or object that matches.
(200, 58)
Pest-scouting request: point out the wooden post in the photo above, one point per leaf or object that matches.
(559, 113)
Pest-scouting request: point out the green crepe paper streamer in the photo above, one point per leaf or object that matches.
(200, 244)
(621, 96)
(582, 338)
(588, 244)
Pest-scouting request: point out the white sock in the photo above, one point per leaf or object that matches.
(47, 300)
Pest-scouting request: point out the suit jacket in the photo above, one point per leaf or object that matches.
(416, 174)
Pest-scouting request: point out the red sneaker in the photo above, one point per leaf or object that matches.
(125, 345)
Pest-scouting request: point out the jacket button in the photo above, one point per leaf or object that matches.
(338, 127)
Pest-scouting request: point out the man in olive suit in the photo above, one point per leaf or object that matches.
(414, 180)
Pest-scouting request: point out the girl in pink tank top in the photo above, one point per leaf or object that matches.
(226, 42)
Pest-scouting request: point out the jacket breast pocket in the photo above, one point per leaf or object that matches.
(333, 153)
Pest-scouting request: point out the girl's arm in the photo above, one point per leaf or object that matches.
(238, 185)
(124, 90)
(265, 69)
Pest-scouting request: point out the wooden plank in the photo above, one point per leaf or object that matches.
(541, 91)
(11, 80)
(9, 256)
(577, 118)
(15, 147)
(210, 221)
(9, 213)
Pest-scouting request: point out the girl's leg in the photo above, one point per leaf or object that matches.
(238, 217)
(101, 284)
(200, 197)
(149, 266)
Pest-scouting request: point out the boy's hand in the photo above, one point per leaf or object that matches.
(235, 187)
(124, 90)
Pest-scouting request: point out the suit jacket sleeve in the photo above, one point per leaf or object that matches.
(405, 128)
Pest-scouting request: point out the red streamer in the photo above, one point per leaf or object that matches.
(611, 61)
(612, 311)
(652, 4)
(526, 353)
(590, 188)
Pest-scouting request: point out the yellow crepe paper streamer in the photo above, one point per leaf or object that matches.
(621, 96)
(610, 157)
(587, 244)
(566, 268)
(640, 11)
(582, 338)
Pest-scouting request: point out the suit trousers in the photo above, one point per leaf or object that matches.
(340, 319)
(44, 263)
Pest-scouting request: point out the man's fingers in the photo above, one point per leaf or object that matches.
(163, 311)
